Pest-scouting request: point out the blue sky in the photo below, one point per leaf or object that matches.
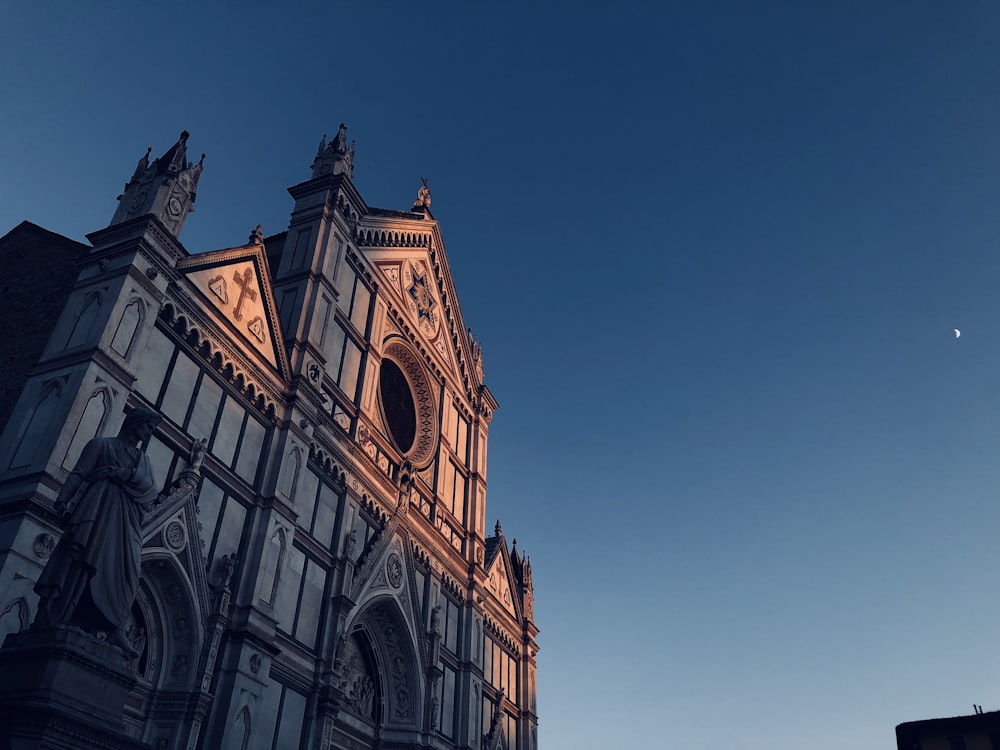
(714, 253)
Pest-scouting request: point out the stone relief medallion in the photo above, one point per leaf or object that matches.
(255, 662)
(394, 570)
(419, 295)
(174, 536)
(43, 545)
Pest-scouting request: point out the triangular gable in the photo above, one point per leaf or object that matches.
(410, 277)
(501, 580)
(235, 285)
(172, 525)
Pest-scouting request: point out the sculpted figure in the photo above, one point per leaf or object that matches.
(436, 620)
(91, 578)
(199, 448)
(423, 195)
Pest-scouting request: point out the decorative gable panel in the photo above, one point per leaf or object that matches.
(235, 285)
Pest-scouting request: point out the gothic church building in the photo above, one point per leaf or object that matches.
(317, 571)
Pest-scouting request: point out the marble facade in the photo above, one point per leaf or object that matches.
(319, 572)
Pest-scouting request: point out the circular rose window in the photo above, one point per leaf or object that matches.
(407, 404)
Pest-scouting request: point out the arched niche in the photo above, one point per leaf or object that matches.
(89, 425)
(393, 651)
(36, 425)
(166, 626)
(130, 322)
(80, 333)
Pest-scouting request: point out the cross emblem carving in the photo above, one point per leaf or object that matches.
(243, 282)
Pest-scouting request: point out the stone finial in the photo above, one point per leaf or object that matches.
(423, 200)
(497, 530)
(335, 157)
(165, 188)
(257, 236)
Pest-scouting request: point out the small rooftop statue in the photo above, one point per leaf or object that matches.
(423, 196)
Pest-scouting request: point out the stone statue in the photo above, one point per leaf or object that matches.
(436, 620)
(91, 578)
(198, 450)
(229, 563)
(423, 195)
(350, 543)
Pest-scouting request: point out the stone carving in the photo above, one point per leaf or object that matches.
(436, 620)
(423, 195)
(174, 536)
(174, 595)
(136, 635)
(197, 456)
(217, 285)
(257, 236)
(350, 543)
(435, 702)
(492, 738)
(336, 157)
(180, 666)
(256, 328)
(394, 570)
(92, 576)
(245, 284)
(43, 546)
(255, 663)
(361, 695)
(229, 563)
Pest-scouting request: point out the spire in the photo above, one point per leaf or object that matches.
(166, 188)
(335, 157)
(498, 530)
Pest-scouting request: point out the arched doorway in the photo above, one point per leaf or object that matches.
(381, 676)
(166, 628)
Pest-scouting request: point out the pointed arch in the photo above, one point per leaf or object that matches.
(290, 474)
(14, 617)
(239, 739)
(80, 332)
(36, 425)
(133, 316)
(396, 652)
(272, 565)
(90, 425)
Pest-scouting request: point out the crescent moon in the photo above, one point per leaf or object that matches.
(957, 333)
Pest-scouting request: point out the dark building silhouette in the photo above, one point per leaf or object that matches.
(980, 731)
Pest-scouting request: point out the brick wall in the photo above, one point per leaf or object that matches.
(38, 269)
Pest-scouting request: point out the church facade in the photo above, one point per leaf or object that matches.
(317, 571)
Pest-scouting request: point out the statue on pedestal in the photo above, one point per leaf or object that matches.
(91, 578)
